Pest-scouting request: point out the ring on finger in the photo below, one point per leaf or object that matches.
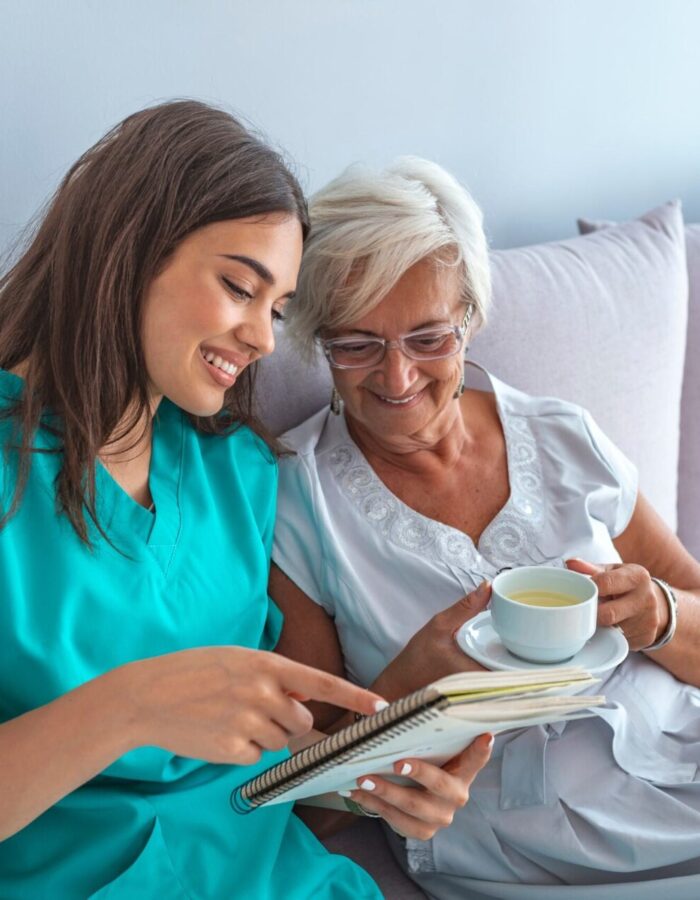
(358, 810)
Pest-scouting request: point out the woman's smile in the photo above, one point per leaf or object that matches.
(222, 365)
(407, 401)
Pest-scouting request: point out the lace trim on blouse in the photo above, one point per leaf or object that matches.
(506, 541)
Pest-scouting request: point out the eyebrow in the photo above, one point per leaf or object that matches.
(259, 269)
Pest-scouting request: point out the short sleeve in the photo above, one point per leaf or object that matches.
(614, 503)
(297, 545)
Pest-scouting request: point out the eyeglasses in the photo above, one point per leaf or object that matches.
(424, 344)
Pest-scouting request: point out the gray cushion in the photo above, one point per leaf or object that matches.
(288, 390)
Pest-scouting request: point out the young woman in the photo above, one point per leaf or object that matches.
(136, 684)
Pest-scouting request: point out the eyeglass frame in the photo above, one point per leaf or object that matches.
(459, 330)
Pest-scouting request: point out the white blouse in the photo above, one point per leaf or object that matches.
(381, 570)
(614, 799)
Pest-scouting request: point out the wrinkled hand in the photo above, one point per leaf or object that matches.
(227, 704)
(420, 811)
(629, 599)
(432, 652)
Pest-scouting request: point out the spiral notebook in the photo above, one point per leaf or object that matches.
(434, 723)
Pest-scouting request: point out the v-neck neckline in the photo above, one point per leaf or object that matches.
(159, 528)
(519, 520)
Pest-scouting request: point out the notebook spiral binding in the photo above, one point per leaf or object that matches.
(338, 748)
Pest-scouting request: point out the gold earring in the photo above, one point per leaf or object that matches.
(335, 402)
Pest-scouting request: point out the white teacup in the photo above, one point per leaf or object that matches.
(544, 614)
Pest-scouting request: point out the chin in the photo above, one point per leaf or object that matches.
(199, 406)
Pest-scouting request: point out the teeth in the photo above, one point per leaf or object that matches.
(399, 402)
(220, 363)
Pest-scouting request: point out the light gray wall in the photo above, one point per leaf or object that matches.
(547, 109)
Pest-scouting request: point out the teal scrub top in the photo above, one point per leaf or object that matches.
(192, 573)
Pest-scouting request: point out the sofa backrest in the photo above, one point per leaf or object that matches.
(689, 458)
(598, 319)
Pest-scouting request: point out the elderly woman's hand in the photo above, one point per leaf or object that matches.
(629, 599)
(418, 812)
(432, 652)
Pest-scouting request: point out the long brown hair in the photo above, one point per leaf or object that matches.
(71, 306)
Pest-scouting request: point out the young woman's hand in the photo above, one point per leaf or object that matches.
(227, 704)
(432, 652)
(420, 811)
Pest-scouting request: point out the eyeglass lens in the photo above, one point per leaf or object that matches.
(422, 345)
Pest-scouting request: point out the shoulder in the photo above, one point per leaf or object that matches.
(309, 446)
(547, 408)
(240, 447)
(568, 440)
(548, 418)
(11, 387)
(238, 461)
(304, 439)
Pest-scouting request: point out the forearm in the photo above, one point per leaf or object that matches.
(49, 752)
(681, 656)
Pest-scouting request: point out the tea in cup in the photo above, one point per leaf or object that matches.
(544, 614)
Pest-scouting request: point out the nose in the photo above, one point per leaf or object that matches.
(256, 331)
(397, 371)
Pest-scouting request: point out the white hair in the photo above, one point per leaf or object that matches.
(368, 228)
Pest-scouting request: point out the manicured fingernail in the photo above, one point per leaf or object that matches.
(406, 769)
(380, 705)
(491, 740)
(367, 784)
(345, 793)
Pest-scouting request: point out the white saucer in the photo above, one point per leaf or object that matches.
(477, 638)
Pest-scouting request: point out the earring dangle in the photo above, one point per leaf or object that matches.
(335, 402)
(460, 389)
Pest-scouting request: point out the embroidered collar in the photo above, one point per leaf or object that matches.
(506, 541)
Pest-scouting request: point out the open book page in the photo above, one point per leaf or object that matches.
(434, 723)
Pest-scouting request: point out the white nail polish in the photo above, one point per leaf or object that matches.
(380, 705)
(344, 793)
(367, 784)
(406, 769)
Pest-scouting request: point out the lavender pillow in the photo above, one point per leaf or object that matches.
(601, 320)
(689, 455)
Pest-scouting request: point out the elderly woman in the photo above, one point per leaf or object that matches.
(422, 480)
